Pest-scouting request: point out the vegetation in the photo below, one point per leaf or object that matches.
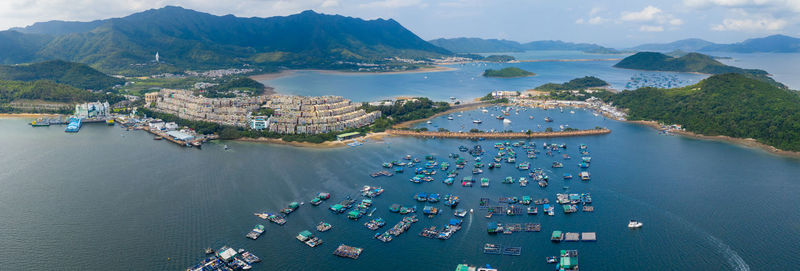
(405, 110)
(44, 90)
(73, 74)
(491, 99)
(499, 58)
(691, 62)
(229, 88)
(575, 84)
(190, 39)
(509, 72)
(728, 104)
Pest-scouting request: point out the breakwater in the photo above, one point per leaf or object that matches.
(471, 135)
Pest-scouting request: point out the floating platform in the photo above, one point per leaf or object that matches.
(513, 251)
(492, 249)
(348, 251)
(588, 208)
(572, 237)
(588, 237)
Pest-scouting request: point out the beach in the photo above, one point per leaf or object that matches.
(323, 145)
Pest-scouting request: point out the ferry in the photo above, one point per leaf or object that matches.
(40, 123)
(74, 125)
(256, 232)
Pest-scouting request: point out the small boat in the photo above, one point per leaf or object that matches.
(157, 138)
(209, 250)
(506, 121)
(548, 119)
(552, 259)
(449, 117)
(633, 224)
(225, 147)
(428, 122)
(477, 121)
(322, 226)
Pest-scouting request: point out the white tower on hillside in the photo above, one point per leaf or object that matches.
(156, 56)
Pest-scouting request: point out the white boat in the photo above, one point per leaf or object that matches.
(477, 121)
(572, 112)
(449, 117)
(485, 111)
(429, 122)
(633, 224)
(506, 121)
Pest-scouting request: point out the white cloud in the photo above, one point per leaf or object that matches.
(651, 28)
(598, 20)
(579, 21)
(793, 5)
(391, 4)
(676, 22)
(649, 13)
(751, 25)
(329, 3)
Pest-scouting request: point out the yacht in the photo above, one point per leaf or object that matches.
(633, 224)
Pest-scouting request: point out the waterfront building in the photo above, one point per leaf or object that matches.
(92, 110)
(316, 115)
(259, 123)
(226, 111)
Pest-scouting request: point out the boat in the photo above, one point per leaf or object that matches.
(450, 117)
(506, 121)
(249, 257)
(477, 121)
(304, 236)
(633, 224)
(428, 122)
(500, 117)
(375, 224)
(74, 125)
(157, 138)
(552, 259)
(557, 236)
(460, 213)
(548, 119)
(40, 123)
(585, 176)
(289, 209)
(256, 232)
(209, 250)
(110, 122)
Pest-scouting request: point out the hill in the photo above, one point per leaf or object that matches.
(509, 72)
(477, 45)
(688, 45)
(44, 90)
(73, 74)
(190, 39)
(575, 84)
(770, 44)
(727, 104)
(691, 62)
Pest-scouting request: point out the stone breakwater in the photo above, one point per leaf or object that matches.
(498, 135)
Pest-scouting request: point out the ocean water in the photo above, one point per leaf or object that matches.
(783, 67)
(110, 199)
(465, 82)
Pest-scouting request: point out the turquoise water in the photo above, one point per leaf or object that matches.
(106, 198)
(464, 83)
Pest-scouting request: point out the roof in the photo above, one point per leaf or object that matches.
(227, 254)
(306, 233)
(348, 134)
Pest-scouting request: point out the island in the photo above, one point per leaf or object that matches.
(733, 105)
(691, 62)
(509, 72)
(499, 58)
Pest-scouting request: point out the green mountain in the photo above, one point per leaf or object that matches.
(73, 74)
(691, 62)
(770, 44)
(45, 90)
(509, 72)
(190, 39)
(688, 45)
(728, 104)
(477, 45)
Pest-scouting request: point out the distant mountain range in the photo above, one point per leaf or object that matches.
(478, 45)
(187, 39)
(769, 44)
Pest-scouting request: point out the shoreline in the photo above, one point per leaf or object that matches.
(470, 106)
(284, 73)
(323, 145)
(27, 115)
(744, 142)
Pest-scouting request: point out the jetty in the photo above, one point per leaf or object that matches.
(503, 135)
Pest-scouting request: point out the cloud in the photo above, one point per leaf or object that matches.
(391, 4)
(329, 3)
(676, 22)
(751, 25)
(649, 13)
(792, 5)
(651, 28)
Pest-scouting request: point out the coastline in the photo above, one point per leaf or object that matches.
(745, 142)
(284, 73)
(323, 145)
(27, 115)
(470, 106)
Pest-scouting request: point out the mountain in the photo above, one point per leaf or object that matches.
(770, 44)
(691, 62)
(560, 45)
(729, 104)
(477, 45)
(17, 47)
(688, 45)
(190, 39)
(72, 74)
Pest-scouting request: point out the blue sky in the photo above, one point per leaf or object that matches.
(616, 23)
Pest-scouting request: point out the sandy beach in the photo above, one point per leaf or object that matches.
(746, 142)
(27, 115)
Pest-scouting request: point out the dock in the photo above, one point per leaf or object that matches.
(187, 143)
(504, 135)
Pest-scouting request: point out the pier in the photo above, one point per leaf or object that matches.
(504, 135)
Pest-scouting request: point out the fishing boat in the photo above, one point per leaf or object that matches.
(557, 236)
(633, 224)
(157, 138)
(256, 232)
(249, 257)
(557, 165)
(375, 224)
(567, 176)
(484, 182)
(548, 119)
(460, 213)
(323, 227)
(552, 259)
(450, 117)
(585, 176)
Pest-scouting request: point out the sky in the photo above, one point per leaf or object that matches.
(614, 23)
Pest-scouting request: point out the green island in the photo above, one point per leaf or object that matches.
(691, 62)
(230, 87)
(509, 72)
(732, 104)
(577, 89)
(499, 58)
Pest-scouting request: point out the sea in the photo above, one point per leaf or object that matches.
(111, 199)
